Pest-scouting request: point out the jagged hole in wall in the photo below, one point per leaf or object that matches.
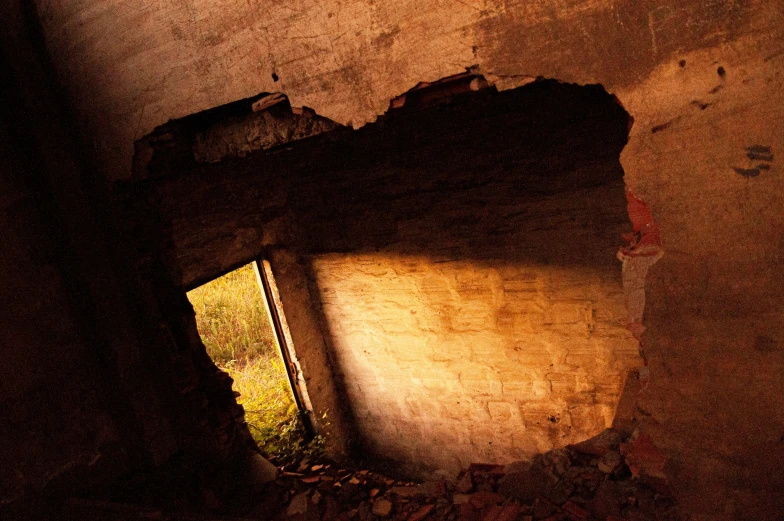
(468, 281)
(451, 268)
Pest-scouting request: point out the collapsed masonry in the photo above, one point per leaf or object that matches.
(105, 391)
(606, 478)
(448, 273)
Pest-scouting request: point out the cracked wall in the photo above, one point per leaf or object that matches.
(459, 258)
(702, 79)
(469, 285)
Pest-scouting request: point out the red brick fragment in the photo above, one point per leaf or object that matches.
(382, 507)
(482, 499)
(643, 457)
(422, 513)
(509, 512)
(646, 239)
(574, 511)
(435, 488)
(491, 513)
(468, 513)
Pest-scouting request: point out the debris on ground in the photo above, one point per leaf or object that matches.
(589, 481)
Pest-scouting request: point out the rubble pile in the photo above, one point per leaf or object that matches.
(590, 481)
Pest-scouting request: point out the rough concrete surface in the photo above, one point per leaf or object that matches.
(702, 80)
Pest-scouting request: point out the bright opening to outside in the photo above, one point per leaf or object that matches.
(235, 327)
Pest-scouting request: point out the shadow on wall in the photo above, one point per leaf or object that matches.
(459, 254)
(469, 179)
(463, 257)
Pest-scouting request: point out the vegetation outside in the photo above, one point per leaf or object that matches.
(235, 328)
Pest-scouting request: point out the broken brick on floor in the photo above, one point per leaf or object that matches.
(590, 481)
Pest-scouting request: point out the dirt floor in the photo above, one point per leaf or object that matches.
(607, 478)
(594, 480)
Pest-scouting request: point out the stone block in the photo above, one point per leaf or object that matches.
(500, 411)
(569, 313)
(490, 386)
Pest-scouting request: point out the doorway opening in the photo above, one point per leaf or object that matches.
(243, 330)
(452, 278)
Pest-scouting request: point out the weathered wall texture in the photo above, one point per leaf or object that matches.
(703, 80)
(714, 315)
(445, 364)
(101, 390)
(133, 65)
(482, 317)
(459, 258)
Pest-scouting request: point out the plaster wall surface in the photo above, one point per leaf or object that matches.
(133, 65)
(702, 79)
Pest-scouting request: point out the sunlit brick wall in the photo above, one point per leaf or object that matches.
(466, 276)
(450, 363)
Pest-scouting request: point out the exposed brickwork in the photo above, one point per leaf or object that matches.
(453, 266)
(476, 310)
(454, 362)
(702, 78)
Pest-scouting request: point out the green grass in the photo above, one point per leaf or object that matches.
(235, 328)
(231, 318)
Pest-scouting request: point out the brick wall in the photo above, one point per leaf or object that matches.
(447, 363)
(449, 273)
(469, 288)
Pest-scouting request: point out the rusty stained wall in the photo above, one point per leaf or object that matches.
(702, 79)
